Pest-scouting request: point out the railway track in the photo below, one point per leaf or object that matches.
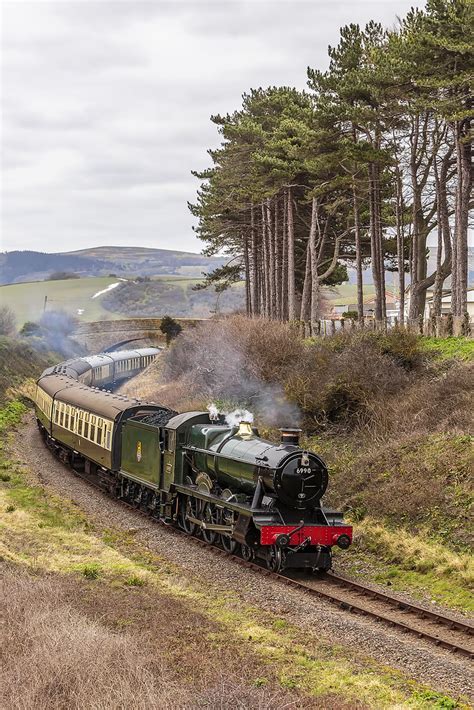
(445, 632)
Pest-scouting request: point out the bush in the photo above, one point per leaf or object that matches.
(7, 321)
(351, 315)
(62, 276)
(339, 380)
(30, 328)
(170, 328)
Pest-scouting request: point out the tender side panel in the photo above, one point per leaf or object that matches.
(141, 452)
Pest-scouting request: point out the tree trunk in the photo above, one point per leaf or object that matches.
(254, 287)
(463, 196)
(444, 231)
(421, 162)
(277, 260)
(439, 278)
(400, 246)
(266, 266)
(374, 244)
(382, 307)
(248, 297)
(315, 285)
(306, 296)
(271, 261)
(291, 259)
(284, 260)
(358, 253)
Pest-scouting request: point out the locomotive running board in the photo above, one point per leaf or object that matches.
(209, 526)
(241, 508)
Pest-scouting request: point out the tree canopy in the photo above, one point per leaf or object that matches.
(359, 169)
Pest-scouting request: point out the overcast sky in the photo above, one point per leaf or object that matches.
(106, 106)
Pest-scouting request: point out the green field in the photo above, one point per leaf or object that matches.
(346, 294)
(27, 299)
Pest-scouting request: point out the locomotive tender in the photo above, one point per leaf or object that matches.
(222, 482)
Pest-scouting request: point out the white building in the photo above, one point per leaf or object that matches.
(446, 304)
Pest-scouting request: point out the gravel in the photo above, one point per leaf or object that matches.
(415, 658)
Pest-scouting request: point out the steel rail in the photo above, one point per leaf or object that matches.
(401, 604)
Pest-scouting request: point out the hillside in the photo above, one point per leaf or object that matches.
(18, 362)
(21, 266)
(93, 299)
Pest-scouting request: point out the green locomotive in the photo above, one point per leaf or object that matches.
(224, 483)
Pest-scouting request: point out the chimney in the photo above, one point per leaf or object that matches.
(290, 436)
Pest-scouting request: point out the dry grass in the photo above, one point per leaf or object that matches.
(441, 400)
(65, 647)
(54, 657)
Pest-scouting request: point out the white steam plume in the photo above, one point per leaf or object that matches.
(238, 415)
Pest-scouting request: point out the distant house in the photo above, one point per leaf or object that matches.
(369, 306)
(446, 303)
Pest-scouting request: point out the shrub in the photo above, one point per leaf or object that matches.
(236, 360)
(351, 315)
(170, 328)
(91, 571)
(30, 328)
(338, 381)
(62, 276)
(7, 321)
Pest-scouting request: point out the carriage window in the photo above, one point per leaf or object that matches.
(108, 437)
(100, 423)
(79, 426)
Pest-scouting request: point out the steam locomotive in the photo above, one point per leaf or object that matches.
(224, 483)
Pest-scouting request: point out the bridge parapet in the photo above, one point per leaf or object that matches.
(96, 336)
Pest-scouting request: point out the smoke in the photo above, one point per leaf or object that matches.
(231, 361)
(232, 418)
(54, 333)
(238, 415)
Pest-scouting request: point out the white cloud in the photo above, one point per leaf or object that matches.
(107, 106)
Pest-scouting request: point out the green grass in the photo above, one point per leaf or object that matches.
(27, 299)
(449, 348)
(413, 562)
(346, 294)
